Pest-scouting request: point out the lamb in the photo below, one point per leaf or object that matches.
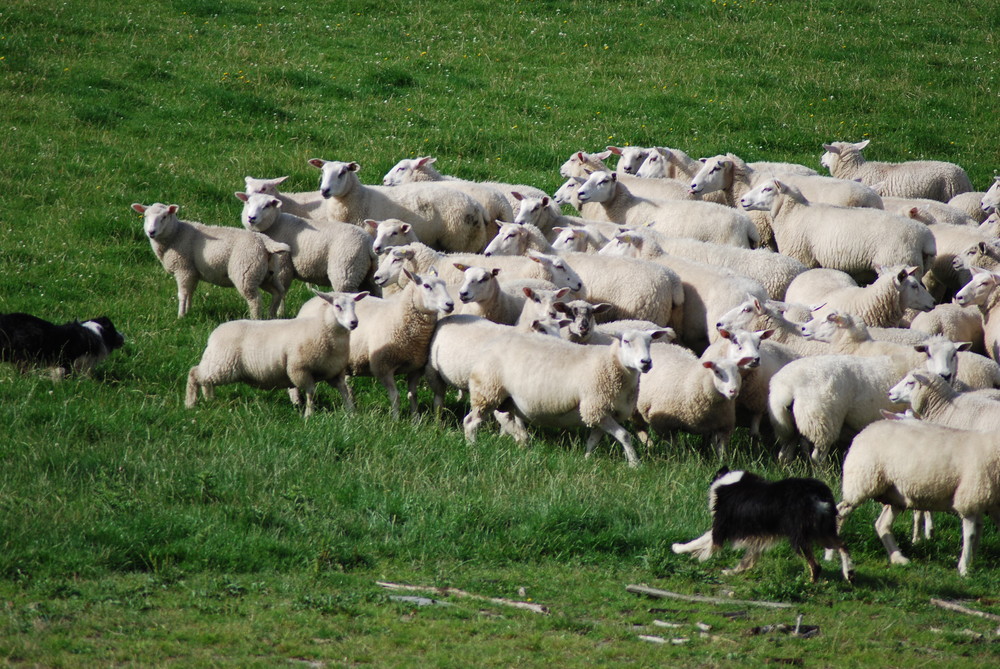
(982, 292)
(441, 217)
(910, 464)
(493, 200)
(582, 165)
(629, 157)
(708, 291)
(683, 392)
(935, 401)
(971, 204)
(928, 212)
(705, 221)
(421, 170)
(773, 271)
(421, 258)
(850, 239)
(813, 285)
(485, 296)
(222, 256)
(944, 278)
(516, 239)
(756, 314)
(931, 179)
(584, 238)
(290, 353)
(990, 202)
(388, 233)
(308, 204)
(959, 324)
(394, 334)
(731, 176)
(330, 254)
(554, 382)
(541, 213)
(882, 303)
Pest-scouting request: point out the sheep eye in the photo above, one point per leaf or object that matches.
(337, 307)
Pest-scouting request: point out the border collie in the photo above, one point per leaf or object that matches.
(28, 341)
(753, 513)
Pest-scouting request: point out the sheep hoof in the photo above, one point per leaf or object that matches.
(898, 558)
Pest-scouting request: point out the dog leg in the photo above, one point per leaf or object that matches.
(748, 561)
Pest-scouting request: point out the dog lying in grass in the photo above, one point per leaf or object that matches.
(753, 513)
(28, 341)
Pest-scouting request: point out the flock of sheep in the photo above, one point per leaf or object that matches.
(686, 293)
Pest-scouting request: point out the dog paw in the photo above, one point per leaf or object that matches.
(898, 558)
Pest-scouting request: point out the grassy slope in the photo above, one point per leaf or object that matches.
(133, 528)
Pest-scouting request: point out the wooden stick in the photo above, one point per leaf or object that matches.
(952, 606)
(665, 594)
(528, 606)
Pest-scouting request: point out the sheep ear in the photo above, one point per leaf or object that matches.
(370, 223)
(415, 278)
(516, 195)
(602, 307)
(781, 186)
(901, 276)
(360, 296)
(743, 362)
(890, 415)
(725, 334)
(562, 308)
(353, 166)
(562, 292)
(172, 209)
(530, 294)
(920, 348)
(756, 304)
(242, 197)
(912, 270)
(406, 227)
(708, 364)
(603, 155)
(141, 208)
(861, 145)
(831, 148)
(920, 378)
(703, 160)
(615, 150)
(666, 333)
(460, 267)
(766, 334)
(495, 271)
(545, 201)
(424, 160)
(579, 156)
(317, 162)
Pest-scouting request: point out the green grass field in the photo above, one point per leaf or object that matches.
(136, 532)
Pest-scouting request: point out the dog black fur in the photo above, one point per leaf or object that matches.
(28, 341)
(752, 512)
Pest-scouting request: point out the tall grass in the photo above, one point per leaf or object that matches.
(109, 103)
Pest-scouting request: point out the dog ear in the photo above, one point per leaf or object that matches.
(722, 472)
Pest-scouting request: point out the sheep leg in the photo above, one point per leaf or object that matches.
(412, 379)
(191, 396)
(345, 392)
(928, 525)
(970, 538)
(471, 423)
(252, 296)
(388, 381)
(186, 283)
(510, 423)
(755, 425)
(295, 396)
(846, 565)
(438, 388)
(702, 547)
(277, 293)
(611, 427)
(883, 528)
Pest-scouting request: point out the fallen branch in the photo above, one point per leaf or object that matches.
(528, 606)
(666, 594)
(958, 608)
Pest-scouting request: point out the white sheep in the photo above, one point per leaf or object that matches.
(394, 334)
(971, 204)
(931, 179)
(483, 295)
(516, 239)
(982, 291)
(309, 205)
(553, 382)
(911, 464)
(582, 165)
(854, 240)
(708, 291)
(955, 322)
(416, 170)
(933, 399)
(813, 285)
(389, 233)
(330, 254)
(290, 353)
(929, 212)
(990, 202)
(882, 303)
(630, 158)
(584, 238)
(756, 314)
(705, 221)
(223, 256)
(422, 170)
(440, 216)
(541, 213)
(684, 392)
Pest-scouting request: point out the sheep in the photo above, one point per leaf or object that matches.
(582, 165)
(708, 291)
(766, 358)
(850, 239)
(389, 233)
(684, 392)
(541, 305)
(421, 258)
(569, 193)
(494, 201)
(971, 204)
(440, 216)
(882, 303)
(485, 296)
(288, 353)
(931, 397)
(982, 291)
(394, 334)
(959, 324)
(540, 213)
(554, 382)
(990, 202)
(911, 464)
(222, 256)
(773, 271)
(629, 157)
(928, 212)
(584, 238)
(516, 239)
(338, 255)
(931, 179)
(422, 170)
(308, 204)
(705, 221)
(756, 314)
(813, 285)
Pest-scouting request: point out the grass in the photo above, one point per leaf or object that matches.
(137, 532)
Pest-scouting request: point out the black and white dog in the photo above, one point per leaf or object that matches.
(753, 513)
(28, 341)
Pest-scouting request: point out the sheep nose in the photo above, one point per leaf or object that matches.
(487, 253)
(353, 324)
(325, 192)
(645, 365)
(449, 307)
(251, 219)
(465, 297)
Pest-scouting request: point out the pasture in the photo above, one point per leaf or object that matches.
(135, 531)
